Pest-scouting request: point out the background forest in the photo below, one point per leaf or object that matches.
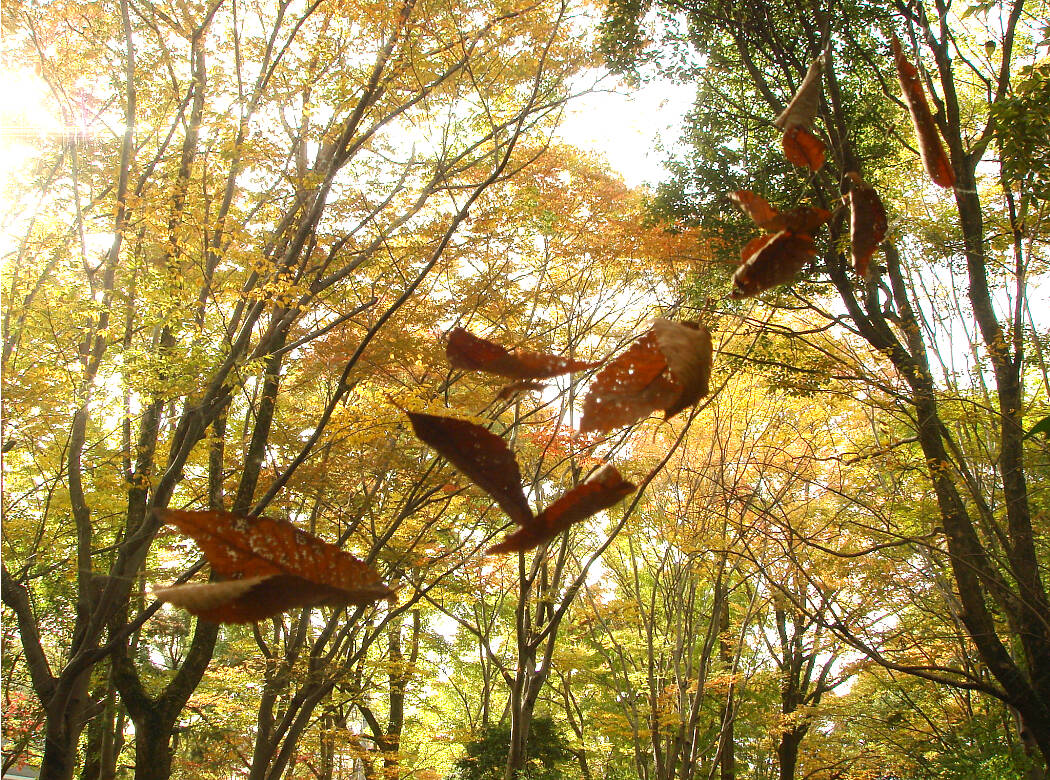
(236, 263)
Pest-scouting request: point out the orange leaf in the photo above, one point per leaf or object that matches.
(803, 219)
(934, 160)
(273, 567)
(867, 222)
(521, 386)
(668, 368)
(776, 260)
(754, 246)
(802, 109)
(628, 388)
(467, 351)
(758, 208)
(802, 148)
(482, 456)
(601, 490)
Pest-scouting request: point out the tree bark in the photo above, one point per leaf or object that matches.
(727, 742)
(787, 752)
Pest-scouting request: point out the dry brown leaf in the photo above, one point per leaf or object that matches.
(867, 222)
(480, 455)
(257, 598)
(521, 386)
(472, 353)
(667, 368)
(802, 148)
(802, 109)
(802, 219)
(758, 208)
(600, 491)
(629, 388)
(273, 566)
(688, 350)
(931, 150)
(775, 260)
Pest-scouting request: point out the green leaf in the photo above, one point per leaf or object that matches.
(1043, 427)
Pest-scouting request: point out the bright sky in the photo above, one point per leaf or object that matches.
(630, 128)
(23, 117)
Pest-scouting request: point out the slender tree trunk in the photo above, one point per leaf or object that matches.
(101, 749)
(400, 674)
(727, 742)
(326, 745)
(94, 736)
(113, 741)
(520, 720)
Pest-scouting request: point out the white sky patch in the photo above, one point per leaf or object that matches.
(634, 129)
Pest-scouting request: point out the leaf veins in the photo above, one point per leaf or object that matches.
(272, 566)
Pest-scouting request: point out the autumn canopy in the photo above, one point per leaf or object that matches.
(357, 425)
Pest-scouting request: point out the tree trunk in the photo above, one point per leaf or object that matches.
(787, 752)
(113, 743)
(400, 674)
(520, 721)
(64, 721)
(103, 742)
(61, 733)
(326, 744)
(92, 765)
(154, 747)
(727, 742)
(155, 718)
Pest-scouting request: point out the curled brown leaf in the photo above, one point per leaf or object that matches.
(687, 348)
(868, 223)
(600, 491)
(774, 260)
(931, 150)
(802, 219)
(802, 109)
(272, 565)
(473, 353)
(668, 368)
(480, 455)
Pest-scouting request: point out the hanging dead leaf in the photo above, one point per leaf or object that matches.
(754, 246)
(521, 386)
(931, 150)
(667, 368)
(802, 219)
(802, 148)
(257, 598)
(867, 222)
(758, 208)
(688, 350)
(771, 260)
(629, 388)
(604, 488)
(273, 567)
(802, 109)
(482, 456)
(469, 352)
